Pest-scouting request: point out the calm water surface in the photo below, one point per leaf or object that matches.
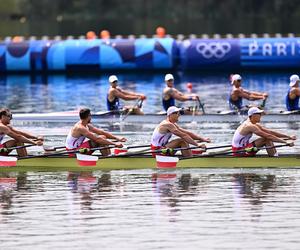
(147, 209)
(191, 209)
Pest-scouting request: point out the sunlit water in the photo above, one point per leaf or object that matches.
(147, 209)
(191, 209)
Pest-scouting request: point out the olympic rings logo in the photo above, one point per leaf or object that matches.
(213, 49)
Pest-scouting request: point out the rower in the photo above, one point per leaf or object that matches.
(293, 94)
(19, 137)
(241, 139)
(115, 93)
(237, 94)
(84, 135)
(163, 132)
(170, 94)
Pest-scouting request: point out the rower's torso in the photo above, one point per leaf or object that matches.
(161, 134)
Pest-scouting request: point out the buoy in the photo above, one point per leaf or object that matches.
(189, 86)
(104, 34)
(91, 35)
(17, 39)
(160, 32)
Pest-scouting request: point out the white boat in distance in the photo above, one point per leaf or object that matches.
(112, 117)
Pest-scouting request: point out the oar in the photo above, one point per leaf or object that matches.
(164, 150)
(263, 104)
(201, 104)
(138, 104)
(231, 152)
(23, 146)
(66, 152)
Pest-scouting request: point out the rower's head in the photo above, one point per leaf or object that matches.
(85, 115)
(173, 113)
(236, 80)
(254, 114)
(169, 79)
(294, 81)
(5, 116)
(113, 80)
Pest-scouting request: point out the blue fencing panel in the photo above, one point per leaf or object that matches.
(210, 53)
(270, 52)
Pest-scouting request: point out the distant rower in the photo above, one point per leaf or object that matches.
(115, 93)
(238, 93)
(293, 94)
(241, 139)
(19, 137)
(164, 131)
(170, 94)
(85, 135)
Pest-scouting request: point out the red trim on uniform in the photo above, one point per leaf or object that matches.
(243, 154)
(85, 144)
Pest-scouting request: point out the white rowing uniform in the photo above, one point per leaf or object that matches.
(73, 142)
(158, 139)
(239, 141)
(1, 137)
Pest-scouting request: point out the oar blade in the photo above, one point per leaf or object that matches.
(8, 161)
(86, 160)
(166, 161)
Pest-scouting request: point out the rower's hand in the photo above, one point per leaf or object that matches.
(121, 139)
(265, 95)
(118, 145)
(207, 140)
(40, 138)
(194, 97)
(293, 137)
(203, 146)
(291, 144)
(143, 97)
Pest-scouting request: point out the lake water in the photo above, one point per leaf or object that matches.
(146, 209)
(191, 209)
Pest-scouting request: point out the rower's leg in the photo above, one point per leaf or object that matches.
(104, 152)
(13, 143)
(137, 111)
(179, 143)
(269, 144)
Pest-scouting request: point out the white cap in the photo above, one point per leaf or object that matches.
(172, 110)
(235, 77)
(112, 78)
(254, 110)
(169, 77)
(293, 80)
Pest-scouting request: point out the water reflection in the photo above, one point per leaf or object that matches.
(166, 209)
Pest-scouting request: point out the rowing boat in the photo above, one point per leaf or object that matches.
(63, 163)
(109, 117)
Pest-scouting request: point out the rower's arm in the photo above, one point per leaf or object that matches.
(249, 95)
(275, 133)
(266, 135)
(194, 136)
(94, 138)
(124, 96)
(27, 135)
(180, 96)
(19, 137)
(186, 137)
(105, 133)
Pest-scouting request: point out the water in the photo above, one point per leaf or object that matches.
(146, 209)
(192, 209)
(69, 92)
